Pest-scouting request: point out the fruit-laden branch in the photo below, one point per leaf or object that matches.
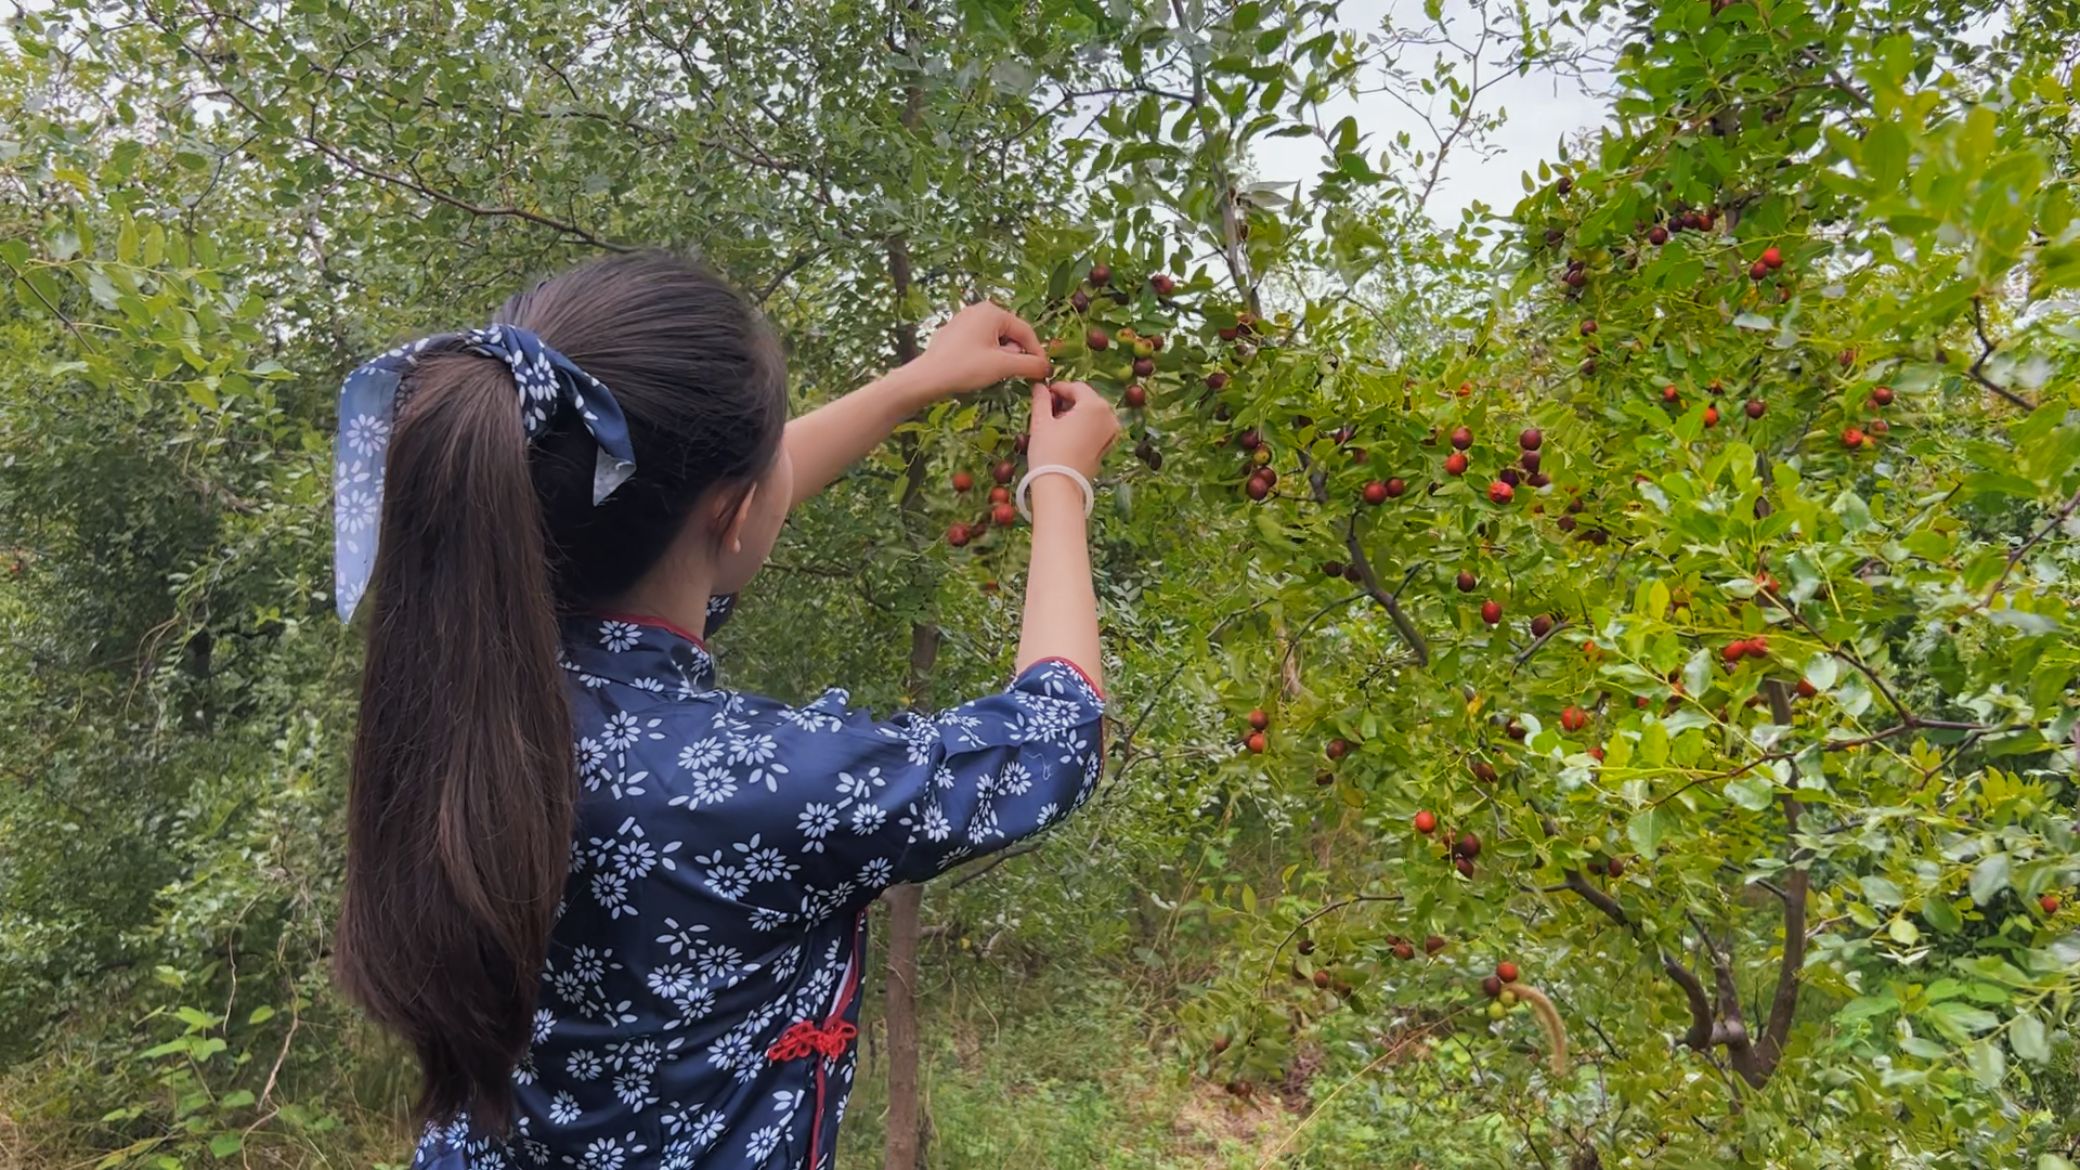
(1539, 641)
(1417, 644)
(1715, 1021)
(1340, 904)
(1849, 656)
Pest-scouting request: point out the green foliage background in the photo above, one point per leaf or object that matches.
(208, 213)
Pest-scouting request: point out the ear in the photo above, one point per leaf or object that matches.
(731, 526)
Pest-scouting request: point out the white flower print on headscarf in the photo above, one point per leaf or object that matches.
(366, 435)
(547, 384)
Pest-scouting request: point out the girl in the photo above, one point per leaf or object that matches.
(618, 910)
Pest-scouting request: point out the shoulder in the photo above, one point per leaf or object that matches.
(642, 712)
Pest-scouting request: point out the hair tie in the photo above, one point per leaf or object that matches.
(547, 382)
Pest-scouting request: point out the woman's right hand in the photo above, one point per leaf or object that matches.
(1072, 426)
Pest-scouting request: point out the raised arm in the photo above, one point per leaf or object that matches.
(982, 345)
(1072, 426)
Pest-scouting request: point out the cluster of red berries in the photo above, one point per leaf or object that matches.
(1405, 950)
(1854, 437)
(1755, 647)
(1002, 512)
(1770, 261)
(1258, 722)
(1700, 221)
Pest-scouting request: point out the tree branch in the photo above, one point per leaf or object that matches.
(1597, 898)
(1986, 349)
(1417, 644)
(2036, 538)
(994, 862)
(799, 261)
(1850, 657)
(418, 187)
(1699, 1037)
(1541, 640)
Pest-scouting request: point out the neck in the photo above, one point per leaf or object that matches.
(675, 590)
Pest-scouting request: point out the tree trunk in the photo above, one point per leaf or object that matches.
(906, 1117)
(907, 1122)
(905, 1103)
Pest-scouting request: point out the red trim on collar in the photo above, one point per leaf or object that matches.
(655, 623)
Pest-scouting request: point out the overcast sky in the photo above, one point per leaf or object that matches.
(1541, 108)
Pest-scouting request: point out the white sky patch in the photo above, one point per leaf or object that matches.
(1542, 109)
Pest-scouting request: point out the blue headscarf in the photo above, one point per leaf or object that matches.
(547, 382)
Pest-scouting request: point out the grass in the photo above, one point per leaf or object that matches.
(1053, 1069)
(1032, 1065)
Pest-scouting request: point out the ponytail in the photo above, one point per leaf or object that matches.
(464, 781)
(464, 785)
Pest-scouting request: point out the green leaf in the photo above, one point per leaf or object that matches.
(1865, 1007)
(2021, 619)
(1989, 878)
(2027, 1035)
(1854, 513)
(226, 1144)
(1884, 152)
(1697, 672)
(260, 1015)
(1881, 891)
(1653, 744)
(1645, 830)
(1751, 792)
(1960, 1021)
(1988, 1062)
(1940, 914)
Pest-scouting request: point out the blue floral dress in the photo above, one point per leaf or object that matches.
(699, 1002)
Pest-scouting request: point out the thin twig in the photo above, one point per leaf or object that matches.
(994, 862)
(2037, 538)
(1976, 373)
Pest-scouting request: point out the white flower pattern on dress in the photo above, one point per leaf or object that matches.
(726, 848)
(619, 636)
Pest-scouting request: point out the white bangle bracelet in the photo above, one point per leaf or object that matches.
(1090, 499)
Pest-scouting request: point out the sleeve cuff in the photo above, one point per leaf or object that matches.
(1095, 688)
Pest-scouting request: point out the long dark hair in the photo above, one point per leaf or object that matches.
(464, 778)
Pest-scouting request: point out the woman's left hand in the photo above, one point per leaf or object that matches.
(984, 344)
